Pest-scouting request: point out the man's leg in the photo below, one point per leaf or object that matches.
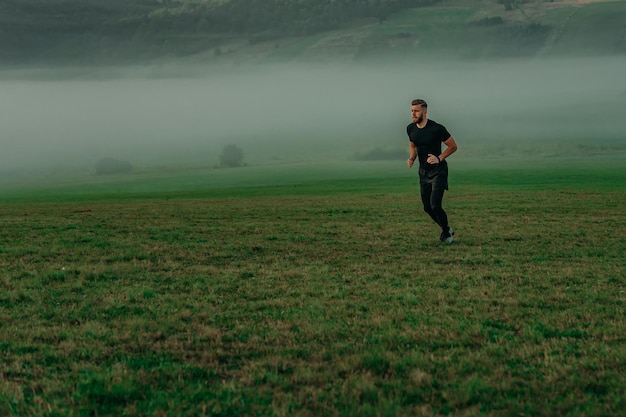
(426, 192)
(436, 205)
(440, 185)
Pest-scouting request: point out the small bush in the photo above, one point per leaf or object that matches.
(232, 156)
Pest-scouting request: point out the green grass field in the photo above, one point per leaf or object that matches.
(316, 290)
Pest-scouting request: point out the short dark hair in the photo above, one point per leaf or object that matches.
(419, 102)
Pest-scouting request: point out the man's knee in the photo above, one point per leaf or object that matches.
(436, 207)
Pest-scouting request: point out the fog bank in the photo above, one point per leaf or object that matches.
(302, 112)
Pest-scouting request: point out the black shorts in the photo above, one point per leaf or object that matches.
(435, 177)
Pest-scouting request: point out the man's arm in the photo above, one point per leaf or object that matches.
(412, 154)
(450, 148)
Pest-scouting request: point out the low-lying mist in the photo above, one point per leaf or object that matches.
(302, 112)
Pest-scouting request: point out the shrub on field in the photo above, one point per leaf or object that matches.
(108, 166)
(232, 156)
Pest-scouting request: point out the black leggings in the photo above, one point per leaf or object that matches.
(433, 183)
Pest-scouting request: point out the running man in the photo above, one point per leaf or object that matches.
(425, 139)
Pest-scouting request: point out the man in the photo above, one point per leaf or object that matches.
(425, 139)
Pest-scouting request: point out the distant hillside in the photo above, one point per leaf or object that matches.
(133, 31)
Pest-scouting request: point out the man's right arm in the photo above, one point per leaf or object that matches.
(412, 154)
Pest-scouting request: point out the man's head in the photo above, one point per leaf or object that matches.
(419, 110)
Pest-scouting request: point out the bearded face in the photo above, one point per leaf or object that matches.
(418, 113)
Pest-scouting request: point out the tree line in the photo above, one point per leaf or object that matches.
(34, 29)
(292, 17)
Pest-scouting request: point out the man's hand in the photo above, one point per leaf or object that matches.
(410, 162)
(432, 159)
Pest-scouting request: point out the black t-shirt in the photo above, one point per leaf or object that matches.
(427, 140)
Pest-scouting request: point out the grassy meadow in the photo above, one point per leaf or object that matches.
(303, 290)
(312, 283)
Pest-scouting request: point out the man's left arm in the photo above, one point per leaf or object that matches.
(450, 148)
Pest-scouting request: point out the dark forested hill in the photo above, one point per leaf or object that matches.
(122, 31)
(58, 30)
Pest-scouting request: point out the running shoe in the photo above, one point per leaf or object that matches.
(450, 237)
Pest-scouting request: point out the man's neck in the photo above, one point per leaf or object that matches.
(421, 125)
